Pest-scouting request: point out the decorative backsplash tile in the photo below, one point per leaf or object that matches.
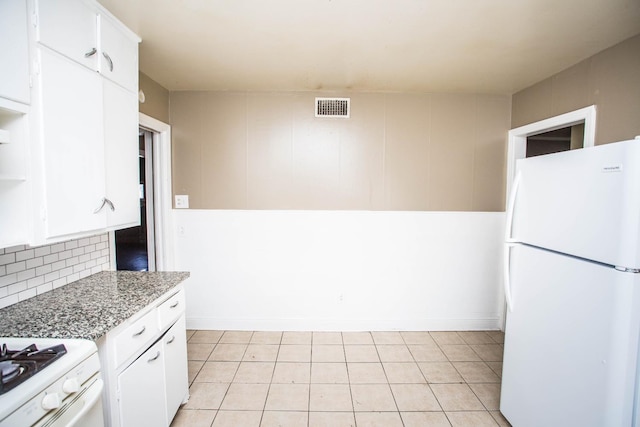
(29, 271)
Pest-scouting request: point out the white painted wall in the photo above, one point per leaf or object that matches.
(341, 270)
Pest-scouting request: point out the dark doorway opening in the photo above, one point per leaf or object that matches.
(563, 139)
(135, 248)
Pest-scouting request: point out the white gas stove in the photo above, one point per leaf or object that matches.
(50, 382)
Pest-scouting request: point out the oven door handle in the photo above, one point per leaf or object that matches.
(92, 397)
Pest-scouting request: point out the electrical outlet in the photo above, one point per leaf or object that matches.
(182, 201)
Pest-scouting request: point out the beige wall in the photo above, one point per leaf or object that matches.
(609, 79)
(440, 152)
(156, 102)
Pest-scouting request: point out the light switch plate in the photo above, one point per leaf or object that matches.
(182, 201)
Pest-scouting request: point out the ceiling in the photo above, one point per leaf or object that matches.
(477, 46)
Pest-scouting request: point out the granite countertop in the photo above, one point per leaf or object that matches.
(88, 308)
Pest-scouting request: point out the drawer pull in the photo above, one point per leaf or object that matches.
(174, 305)
(90, 53)
(173, 338)
(154, 357)
(140, 332)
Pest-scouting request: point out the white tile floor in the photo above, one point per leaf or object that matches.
(313, 379)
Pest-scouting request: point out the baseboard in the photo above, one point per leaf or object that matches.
(345, 325)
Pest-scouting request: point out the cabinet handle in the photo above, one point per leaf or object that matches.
(99, 208)
(103, 202)
(154, 357)
(108, 58)
(90, 53)
(141, 331)
(173, 338)
(174, 305)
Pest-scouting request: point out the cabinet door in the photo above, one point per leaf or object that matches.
(72, 142)
(70, 28)
(121, 156)
(141, 390)
(118, 55)
(14, 51)
(176, 375)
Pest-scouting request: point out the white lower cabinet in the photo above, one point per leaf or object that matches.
(175, 361)
(158, 378)
(144, 365)
(141, 390)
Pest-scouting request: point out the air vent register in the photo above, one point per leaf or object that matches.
(333, 107)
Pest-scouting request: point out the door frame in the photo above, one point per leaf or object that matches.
(149, 195)
(517, 149)
(517, 143)
(163, 217)
(163, 206)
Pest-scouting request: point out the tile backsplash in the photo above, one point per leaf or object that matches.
(29, 271)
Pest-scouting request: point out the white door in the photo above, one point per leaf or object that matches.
(121, 155)
(14, 51)
(118, 55)
(571, 342)
(142, 390)
(73, 145)
(175, 360)
(70, 28)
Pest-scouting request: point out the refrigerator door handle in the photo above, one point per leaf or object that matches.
(511, 206)
(507, 276)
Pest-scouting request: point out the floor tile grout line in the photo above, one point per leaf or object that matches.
(266, 398)
(388, 383)
(461, 376)
(232, 379)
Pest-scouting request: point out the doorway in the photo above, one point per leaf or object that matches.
(517, 143)
(581, 125)
(555, 141)
(135, 246)
(158, 171)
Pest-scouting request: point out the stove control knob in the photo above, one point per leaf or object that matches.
(51, 401)
(70, 385)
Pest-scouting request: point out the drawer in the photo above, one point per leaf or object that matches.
(170, 310)
(135, 336)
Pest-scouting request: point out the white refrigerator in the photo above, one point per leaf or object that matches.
(572, 285)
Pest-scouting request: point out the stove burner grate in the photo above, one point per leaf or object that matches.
(16, 366)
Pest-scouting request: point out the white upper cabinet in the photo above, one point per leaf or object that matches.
(118, 56)
(14, 51)
(68, 121)
(121, 156)
(88, 36)
(69, 27)
(72, 146)
(84, 157)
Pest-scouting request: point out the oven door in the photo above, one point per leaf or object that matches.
(84, 410)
